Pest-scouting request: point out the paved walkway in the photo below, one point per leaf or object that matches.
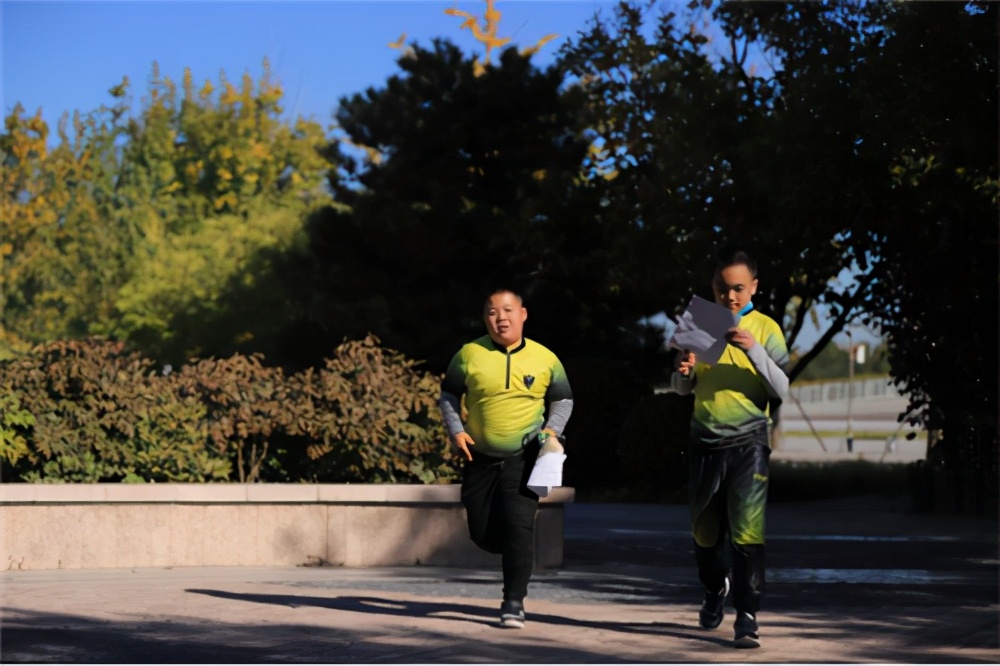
(855, 581)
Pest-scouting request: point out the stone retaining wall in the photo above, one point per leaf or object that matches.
(79, 526)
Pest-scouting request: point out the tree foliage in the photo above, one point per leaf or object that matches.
(937, 302)
(829, 139)
(104, 231)
(703, 149)
(462, 198)
(63, 246)
(860, 141)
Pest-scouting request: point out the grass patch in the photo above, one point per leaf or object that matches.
(860, 435)
(876, 435)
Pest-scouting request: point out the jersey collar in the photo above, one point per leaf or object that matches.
(505, 350)
(746, 308)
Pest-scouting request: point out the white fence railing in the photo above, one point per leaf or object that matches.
(837, 390)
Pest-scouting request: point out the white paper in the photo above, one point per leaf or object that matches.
(547, 473)
(702, 329)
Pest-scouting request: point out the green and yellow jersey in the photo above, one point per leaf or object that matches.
(731, 397)
(510, 394)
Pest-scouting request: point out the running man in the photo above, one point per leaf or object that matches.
(518, 401)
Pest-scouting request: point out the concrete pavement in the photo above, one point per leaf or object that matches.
(849, 581)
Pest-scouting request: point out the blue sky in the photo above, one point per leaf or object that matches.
(62, 56)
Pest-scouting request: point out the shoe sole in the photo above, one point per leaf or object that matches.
(746, 642)
(716, 625)
(512, 623)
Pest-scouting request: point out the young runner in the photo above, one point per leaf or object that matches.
(730, 450)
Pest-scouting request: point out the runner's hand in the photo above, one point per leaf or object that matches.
(551, 445)
(685, 362)
(740, 338)
(463, 441)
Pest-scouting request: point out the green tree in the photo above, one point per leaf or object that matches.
(833, 149)
(653, 105)
(702, 151)
(938, 301)
(220, 179)
(140, 227)
(912, 124)
(64, 248)
(178, 302)
(463, 178)
(25, 217)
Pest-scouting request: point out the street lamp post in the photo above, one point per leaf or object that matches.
(850, 390)
(855, 354)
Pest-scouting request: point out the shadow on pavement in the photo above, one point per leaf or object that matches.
(31, 637)
(462, 613)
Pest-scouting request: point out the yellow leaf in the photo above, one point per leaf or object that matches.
(495, 42)
(531, 50)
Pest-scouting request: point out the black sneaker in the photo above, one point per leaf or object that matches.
(746, 631)
(512, 614)
(713, 607)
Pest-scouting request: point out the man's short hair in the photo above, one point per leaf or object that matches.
(502, 290)
(735, 257)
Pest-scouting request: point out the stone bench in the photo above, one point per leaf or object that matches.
(79, 526)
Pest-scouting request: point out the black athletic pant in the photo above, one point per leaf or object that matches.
(728, 499)
(501, 513)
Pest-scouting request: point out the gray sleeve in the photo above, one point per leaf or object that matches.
(775, 379)
(451, 410)
(681, 384)
(558, 415)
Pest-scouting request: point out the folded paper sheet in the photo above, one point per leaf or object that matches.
(547, 473)
(702, 329)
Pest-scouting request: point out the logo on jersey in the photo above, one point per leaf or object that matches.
(529, 380)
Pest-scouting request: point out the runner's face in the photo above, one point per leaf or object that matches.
(733, 287)
(504, 316)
